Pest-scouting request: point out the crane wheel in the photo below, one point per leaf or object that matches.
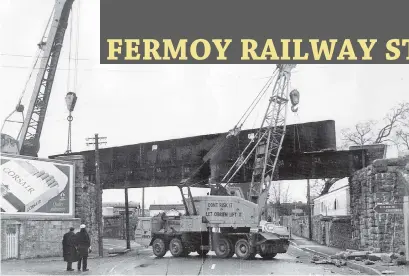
(231, 251)
(176, 248)
(223, 248)
(268, 256)
(159, 248)
(186, 253)
(202, 253)
(243, 250)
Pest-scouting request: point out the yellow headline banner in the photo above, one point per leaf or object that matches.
(290, 49)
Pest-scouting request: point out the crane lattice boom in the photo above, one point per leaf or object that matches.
(29, 137)
(267, 142)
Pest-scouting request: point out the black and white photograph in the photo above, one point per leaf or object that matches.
(127, 149)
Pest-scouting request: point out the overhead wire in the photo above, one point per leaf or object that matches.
(90, 69)
(29, 56)
(36, 57)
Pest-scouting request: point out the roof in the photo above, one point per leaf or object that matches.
(340, 184)
(166, 207)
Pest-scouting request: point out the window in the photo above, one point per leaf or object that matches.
(146, 225)
(335, 204)
(154, 147)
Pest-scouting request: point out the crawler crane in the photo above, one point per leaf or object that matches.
(224, 221)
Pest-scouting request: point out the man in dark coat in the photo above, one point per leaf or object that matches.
(83, 243)
(69, 250)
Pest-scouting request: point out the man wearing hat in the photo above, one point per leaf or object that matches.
(83, 243)
(69, 250)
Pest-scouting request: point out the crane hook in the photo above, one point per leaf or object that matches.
(295, 100)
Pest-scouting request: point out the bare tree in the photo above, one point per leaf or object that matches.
(403, 138)
(362, 134)
(388, 130)
(279, 194)
(317, 187)
(328, 182)
(394, 128)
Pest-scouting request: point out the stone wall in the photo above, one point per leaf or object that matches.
(382, 182)
(340, 232)
(85, 199)
(330, 231)
(298, 225)
(40, 237)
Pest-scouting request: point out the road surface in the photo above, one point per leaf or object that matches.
(141, 261)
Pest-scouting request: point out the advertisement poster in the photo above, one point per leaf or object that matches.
(41, 187)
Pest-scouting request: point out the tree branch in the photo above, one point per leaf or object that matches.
(392, 119)
(404, 138)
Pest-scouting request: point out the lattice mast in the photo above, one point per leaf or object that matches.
(267, 142)
(29, 137)
(271, 134)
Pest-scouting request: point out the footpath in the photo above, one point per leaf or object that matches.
(97, 265)
(325, 254)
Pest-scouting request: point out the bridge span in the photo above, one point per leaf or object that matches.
(309, 152)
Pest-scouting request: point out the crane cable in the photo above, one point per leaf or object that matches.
(19, 107)
(70, 118)
(257, 99)
(241, 122)
(36, 57)
(241, 157)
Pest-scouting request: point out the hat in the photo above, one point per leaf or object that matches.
(82, 226)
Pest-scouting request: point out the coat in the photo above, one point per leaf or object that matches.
(83, 243)
(68, 247)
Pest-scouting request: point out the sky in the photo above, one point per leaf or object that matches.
(132, 104)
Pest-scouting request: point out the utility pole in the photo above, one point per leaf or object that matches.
(98, 189)
(309, 210)
(143, 201)
(128, 241)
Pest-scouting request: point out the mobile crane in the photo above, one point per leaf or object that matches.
(27, 141)
(224, 221)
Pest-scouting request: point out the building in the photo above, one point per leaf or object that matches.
(114, 222)
(278, 210)
(156, 209)
(336, 202)
(117, 208)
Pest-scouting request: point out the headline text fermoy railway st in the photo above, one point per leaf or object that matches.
(291, 49)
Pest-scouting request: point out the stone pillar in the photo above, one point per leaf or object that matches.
(85, 199)
(406, 221)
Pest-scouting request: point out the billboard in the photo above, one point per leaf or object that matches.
(33, 186)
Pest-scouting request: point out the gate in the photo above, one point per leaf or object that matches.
(112, 227)
(12, 242)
